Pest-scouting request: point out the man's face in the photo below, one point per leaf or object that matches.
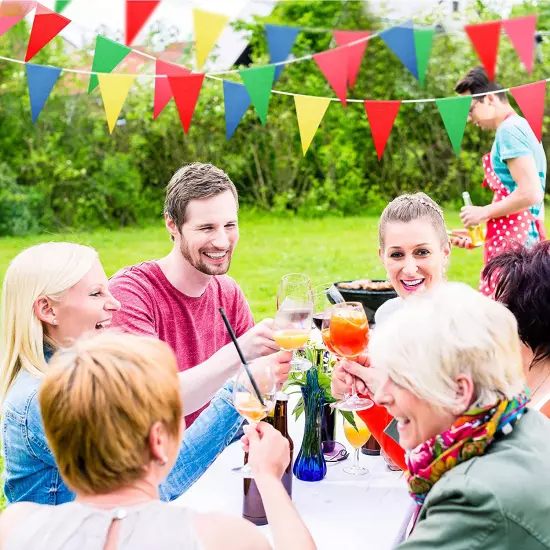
(483, 113)
(210, 233)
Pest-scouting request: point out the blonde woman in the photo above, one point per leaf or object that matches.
(477, 457)
(113, 417)
(52, 294)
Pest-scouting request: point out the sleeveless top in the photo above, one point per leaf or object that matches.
(77, 526)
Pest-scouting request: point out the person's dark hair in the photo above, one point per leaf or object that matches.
(522, 278)
(477, 81)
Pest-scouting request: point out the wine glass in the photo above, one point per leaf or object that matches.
(357, 435)
(324, 296)
(293, 320)
(349, 336)
(247, 403)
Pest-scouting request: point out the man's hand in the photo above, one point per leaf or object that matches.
(278, 362)
(258, 341)
(473, 215)
(269, 451)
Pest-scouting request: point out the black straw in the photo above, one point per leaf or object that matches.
(239, 351)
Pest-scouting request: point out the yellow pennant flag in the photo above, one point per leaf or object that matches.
(208, 26)
(310, 111)
(114, 90)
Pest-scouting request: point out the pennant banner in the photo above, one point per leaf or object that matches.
(309, 111)
(186, 91)
(12, 11)
(46, 26)
(454, 112)
(236, 102)
(40, 81)
(114, 90)
(258, 82)
(207, 28)
(400, 40)
(163, 91)
(108, 54)
(485, 38)
(334, 65)
(423, 39)
(60, 5)
(521, 32)
(355, 52)
(530, 99)
(280, 40)
(137, 14)
(381, 115)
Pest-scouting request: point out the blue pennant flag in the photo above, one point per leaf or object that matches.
(280, 40)
(40, 80)
(400, 40)
(236, 101)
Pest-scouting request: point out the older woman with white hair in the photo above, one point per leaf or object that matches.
(477, 457)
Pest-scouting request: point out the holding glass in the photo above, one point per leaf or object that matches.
(357, 437)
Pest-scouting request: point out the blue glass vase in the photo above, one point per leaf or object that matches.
(310, 463)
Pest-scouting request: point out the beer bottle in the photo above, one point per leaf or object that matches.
(476, 231)
(253, 507)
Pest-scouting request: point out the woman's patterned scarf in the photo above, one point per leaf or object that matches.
(469, 436)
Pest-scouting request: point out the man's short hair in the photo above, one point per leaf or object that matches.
(477, 81)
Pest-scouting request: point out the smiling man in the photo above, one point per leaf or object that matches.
(177, 298)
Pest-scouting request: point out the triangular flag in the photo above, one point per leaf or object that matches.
(236, 101)
(258, 82)
(310, 111)
(334, 65)
(108, 54)
(207, 28)
(40, 80)
(280, 40)
(46, 26)
(530, 99)
(60, 5)
(114, 90)
(137, 14)
(163, 91)
(521, 32)
(400, 40)
(485, 38)
(355, 52)
(12, 11)
(186, 91)
(423, 39)
(381, 115)
(454, 112)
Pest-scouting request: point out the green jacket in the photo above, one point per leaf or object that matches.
(497, 501)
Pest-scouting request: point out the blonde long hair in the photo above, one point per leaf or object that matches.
(47, 269)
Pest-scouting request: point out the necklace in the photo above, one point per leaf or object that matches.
(539, 386)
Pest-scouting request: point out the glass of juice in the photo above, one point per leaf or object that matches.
(357, 435)
(248, 404)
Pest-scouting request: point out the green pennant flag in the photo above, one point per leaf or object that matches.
(108, 54)
(258, 82)
(423, 39)
(60, 5)
(454, 112)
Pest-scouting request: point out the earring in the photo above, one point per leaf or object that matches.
(54, 322)
(163, 461)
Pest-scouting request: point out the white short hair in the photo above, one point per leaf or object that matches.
(449, 331)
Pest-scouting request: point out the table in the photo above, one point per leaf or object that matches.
(341, 511)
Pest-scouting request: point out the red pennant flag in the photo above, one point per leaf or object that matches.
(186, 91)
(530, 99)
(46, 26)
(137, 14)
(163, 91)
(381, 115)
(334, 65)
(485, 39)
(355, 52)
(521, 32)
(12, 11)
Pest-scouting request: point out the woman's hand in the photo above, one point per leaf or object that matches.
(268, 451)
(342, 379)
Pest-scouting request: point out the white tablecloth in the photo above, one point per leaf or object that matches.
(342, 511)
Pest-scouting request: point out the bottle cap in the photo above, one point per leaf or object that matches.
(281, 396)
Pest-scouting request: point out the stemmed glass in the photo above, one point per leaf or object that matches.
(247, 403)
(357, 435)
(349, 336)
(324, 296)
(292, 323)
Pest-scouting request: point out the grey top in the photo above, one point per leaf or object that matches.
(76, 526)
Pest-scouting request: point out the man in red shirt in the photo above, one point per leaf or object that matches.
(177, 298)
